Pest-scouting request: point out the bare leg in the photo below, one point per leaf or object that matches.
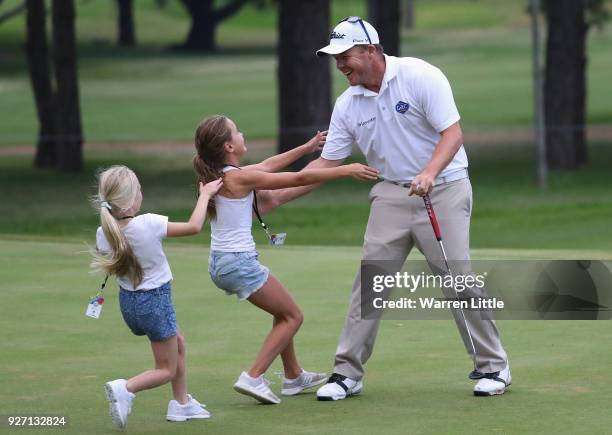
(291, 366)
(276, 300)
(179, 384)
(166, 356)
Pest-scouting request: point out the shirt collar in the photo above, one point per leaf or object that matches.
(390, 72)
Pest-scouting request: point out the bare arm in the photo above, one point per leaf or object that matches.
(280, 161)
(266, 201)
(283, 196)
(446, 148)
(256, 180)
(194, 226)
(271, 199)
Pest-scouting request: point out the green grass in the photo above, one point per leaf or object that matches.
(55, 360)
(149, 94)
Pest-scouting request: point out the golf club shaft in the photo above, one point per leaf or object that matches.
(436, 229)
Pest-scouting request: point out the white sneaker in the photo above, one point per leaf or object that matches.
(494, 383)
(191, 410)
(256, 388)
(339, 387)
(119, 401)
(304, 381)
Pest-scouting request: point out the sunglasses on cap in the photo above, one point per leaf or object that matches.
(355, 19)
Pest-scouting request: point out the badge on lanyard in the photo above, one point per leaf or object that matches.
(277, 239)
(94, 308)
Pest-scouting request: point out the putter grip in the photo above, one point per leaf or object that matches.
(432, 217)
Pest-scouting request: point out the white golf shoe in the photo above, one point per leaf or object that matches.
(339, 387)
(304, 381)
(119, 401)
(493, 384)
(189, 411)
(257, 388)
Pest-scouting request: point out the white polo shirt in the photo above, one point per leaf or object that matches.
(397, 128)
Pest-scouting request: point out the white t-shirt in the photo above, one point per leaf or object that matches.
(145, 234)
(396, 129)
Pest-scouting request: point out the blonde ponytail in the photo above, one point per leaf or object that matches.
(117, 190)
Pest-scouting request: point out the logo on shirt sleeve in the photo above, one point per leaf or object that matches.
(402, 107)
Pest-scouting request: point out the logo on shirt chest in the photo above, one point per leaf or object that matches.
(402, 107)
(366, 122)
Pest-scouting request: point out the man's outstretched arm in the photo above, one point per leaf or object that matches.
(270, 199)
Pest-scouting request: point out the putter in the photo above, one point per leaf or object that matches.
(436, 230)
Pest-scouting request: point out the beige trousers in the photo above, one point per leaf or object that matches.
(398, 222)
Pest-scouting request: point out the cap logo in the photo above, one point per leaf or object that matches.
(335, 35)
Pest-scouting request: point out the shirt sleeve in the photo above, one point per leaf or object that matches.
(101, 242)
(339, 143)
(437, 100)
(158, 225)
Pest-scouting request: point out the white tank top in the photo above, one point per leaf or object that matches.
(231, 229)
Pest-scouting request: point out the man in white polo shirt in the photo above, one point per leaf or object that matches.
(401, 114)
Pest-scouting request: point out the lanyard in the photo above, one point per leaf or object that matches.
(256, 210)
(99, 295)
(104, 283)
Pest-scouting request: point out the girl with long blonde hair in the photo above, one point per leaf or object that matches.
(129, 246)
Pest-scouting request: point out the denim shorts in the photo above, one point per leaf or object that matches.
(237, 273)
(149, 312)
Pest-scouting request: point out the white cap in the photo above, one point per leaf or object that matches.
(348, 33)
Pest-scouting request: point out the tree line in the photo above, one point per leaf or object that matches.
(304, 82)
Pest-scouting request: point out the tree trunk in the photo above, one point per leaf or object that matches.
(201, 36)
(408, 14)
(565, 84)
(580, 84)
(204, 21)
(372, 10)
(304, 79)
(385, 17)
(126, 37)
(69, 156)
(40, 77)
